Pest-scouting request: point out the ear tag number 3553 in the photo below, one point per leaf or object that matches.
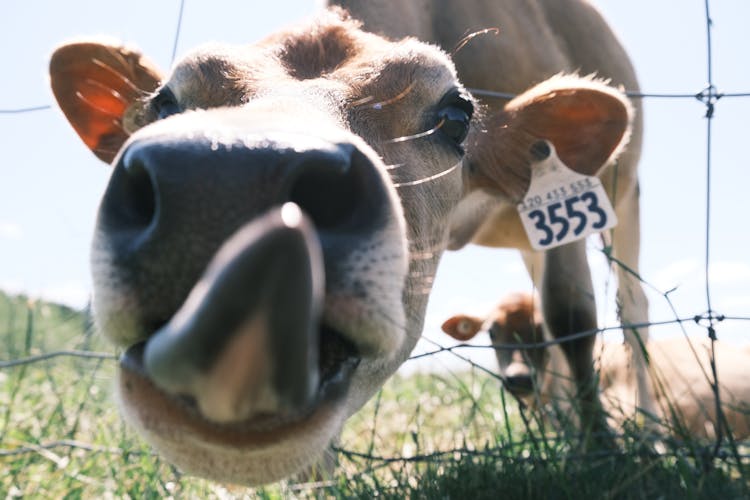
(562, 205)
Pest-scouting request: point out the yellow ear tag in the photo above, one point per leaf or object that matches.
(561, 205)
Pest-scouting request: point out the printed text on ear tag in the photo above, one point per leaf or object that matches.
(561, 205)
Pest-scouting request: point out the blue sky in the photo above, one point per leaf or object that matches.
(50, 184)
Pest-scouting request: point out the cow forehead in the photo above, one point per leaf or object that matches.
(362, 67)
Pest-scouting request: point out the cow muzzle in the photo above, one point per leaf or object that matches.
(221, 263)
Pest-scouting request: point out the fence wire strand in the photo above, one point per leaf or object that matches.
(30, 109)
(178, 31)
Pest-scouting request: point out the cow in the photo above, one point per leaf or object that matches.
(266, 245)
(539, 376)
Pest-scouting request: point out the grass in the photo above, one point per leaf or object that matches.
(425, 436)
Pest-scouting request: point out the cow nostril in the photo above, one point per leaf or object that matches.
(130, 204)
(143, 196)
(328, 194)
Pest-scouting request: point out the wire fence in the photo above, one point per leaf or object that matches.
(724, 445)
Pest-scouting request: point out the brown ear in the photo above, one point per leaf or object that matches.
(97, 86)
(586, 120)
(462, 327)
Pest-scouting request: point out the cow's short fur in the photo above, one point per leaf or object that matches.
(276, 213)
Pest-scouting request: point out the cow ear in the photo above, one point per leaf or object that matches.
(99, 87)
(462, 327)
(586, 120)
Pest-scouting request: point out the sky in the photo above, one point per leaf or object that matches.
(50, 184)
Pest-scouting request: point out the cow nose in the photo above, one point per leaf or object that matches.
(331, 187)
(519, 384)
(167, 190)
(518, 379)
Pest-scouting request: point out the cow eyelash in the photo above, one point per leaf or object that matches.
(164, 103)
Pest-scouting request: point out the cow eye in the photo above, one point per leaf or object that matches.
(165, 103)
(454, 116)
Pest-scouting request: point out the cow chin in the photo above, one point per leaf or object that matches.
(255, 452)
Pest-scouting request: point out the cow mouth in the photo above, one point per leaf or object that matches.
(338, 359)
(248, 351)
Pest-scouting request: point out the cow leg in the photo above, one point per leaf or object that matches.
(633, 304)
(563, 278)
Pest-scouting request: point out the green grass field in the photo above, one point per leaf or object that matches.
(426, 436)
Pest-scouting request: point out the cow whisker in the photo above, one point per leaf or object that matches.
(412, 137)
(119, 76)
(430, 178)
(365, 101)
(471, 36)
(113, 113)
(106, 151)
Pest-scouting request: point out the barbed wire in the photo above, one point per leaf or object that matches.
(353, 454)
(576, 336)
(94, 355)
(30, 109)
(498, 454)
(630, 93)
(70, 443)
(56, 354)
(178, 31)
(485, 93)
